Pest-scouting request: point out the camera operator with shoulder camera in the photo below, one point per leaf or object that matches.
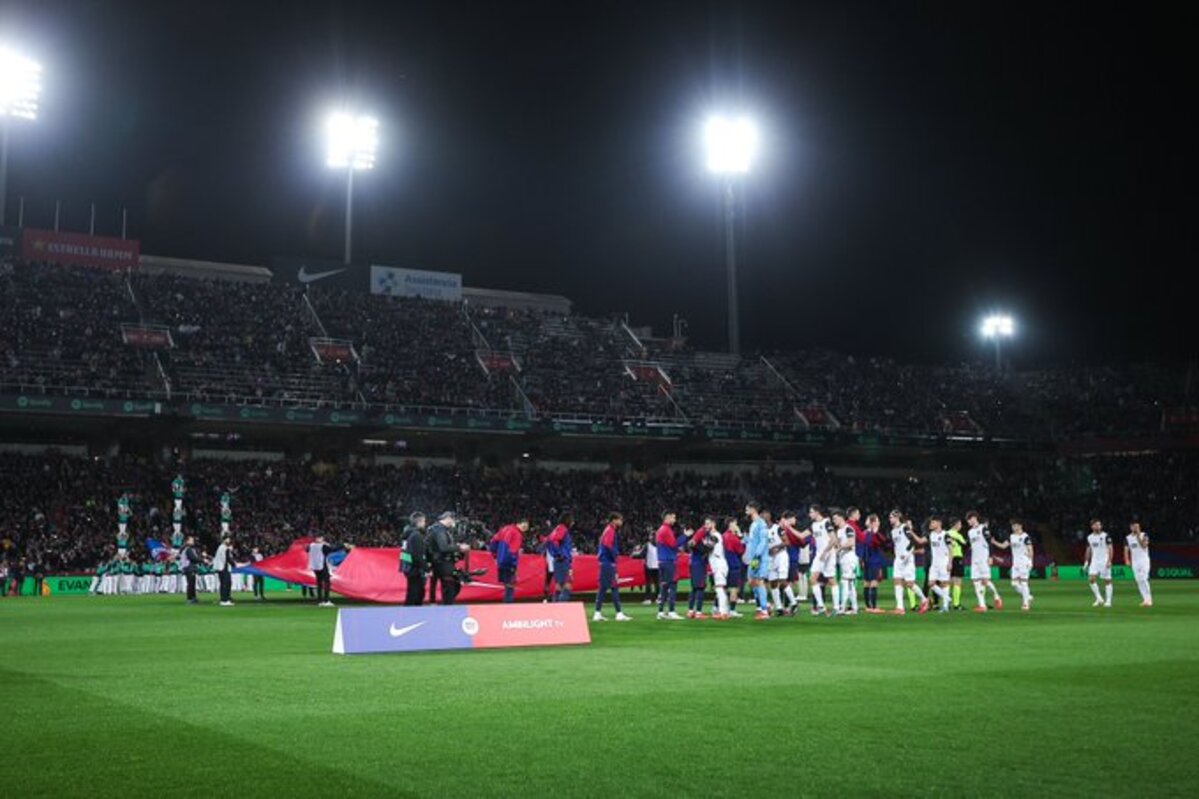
(443, 555)
(413, 563)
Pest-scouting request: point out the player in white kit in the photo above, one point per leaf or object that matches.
(980, 563)
(1098, 564)
(903, 570)
(1136, 555)
(719, 566)
(847, 562)
(776, 574)
(1022, 557)
(824, 565)
(938, 568)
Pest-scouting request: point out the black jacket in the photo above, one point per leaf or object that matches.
(414, 545)
(441, 543)
(193, 560)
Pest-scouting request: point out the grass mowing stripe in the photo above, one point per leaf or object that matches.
(1067, 699)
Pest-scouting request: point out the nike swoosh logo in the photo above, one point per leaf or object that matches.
(396, 632)
(484, 585)
(624, 579)
(304, 276)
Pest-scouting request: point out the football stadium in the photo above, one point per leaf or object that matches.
(432, 451)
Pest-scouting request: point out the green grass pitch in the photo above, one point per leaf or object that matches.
(143, 696)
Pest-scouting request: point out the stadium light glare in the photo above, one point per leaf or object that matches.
(731, 144)
(353, 141)
(998, 326)
(20, 85)
(995, 328)
(20, 89)
(352, 144)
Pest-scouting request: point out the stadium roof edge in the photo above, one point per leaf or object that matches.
(190, 267)
(517, 299)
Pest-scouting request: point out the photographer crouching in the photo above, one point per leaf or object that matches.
(443, 555)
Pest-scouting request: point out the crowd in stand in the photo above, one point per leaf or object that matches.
(60, 332)
(59, 512)
(410, 351)
(61, 328)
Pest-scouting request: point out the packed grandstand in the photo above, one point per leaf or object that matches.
(79, 332)
(93, 333)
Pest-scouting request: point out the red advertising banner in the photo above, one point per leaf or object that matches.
(333, 350)
(146, 337)
(80, 249)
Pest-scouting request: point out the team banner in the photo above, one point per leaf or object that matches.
(372, 574)
(398, 282)
(401, 629)
(80, 249)
(317, 272)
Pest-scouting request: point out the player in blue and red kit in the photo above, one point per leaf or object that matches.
(699, 568)
(609, 580)
(505, 545)
(561, 550)
(734, 548)
(874, 564)
(668, 545)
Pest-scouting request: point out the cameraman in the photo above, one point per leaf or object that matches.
(412, 559)
(443, 553)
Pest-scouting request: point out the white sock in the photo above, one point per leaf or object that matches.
(1095, 591)
(899, 603)
(1108, 590)
(778, 599)
(1148, 589)
(919, 592)
(981, 593)
(836, 595)
(818, 592)
(722, 600)
(942, 594)
(791, 600)
(851, 589)
(803, 588)
(994, 590)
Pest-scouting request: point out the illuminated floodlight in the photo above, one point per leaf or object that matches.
(353, 141)
(998, 326)
(20, 85)
(731, 144)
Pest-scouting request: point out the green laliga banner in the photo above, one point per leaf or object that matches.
(40, 403)
(324, 417)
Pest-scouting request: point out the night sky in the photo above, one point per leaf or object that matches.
(923, 163)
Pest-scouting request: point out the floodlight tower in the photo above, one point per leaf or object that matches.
(20, 88)
(731, 144)
(996, 328)
(352, 144)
